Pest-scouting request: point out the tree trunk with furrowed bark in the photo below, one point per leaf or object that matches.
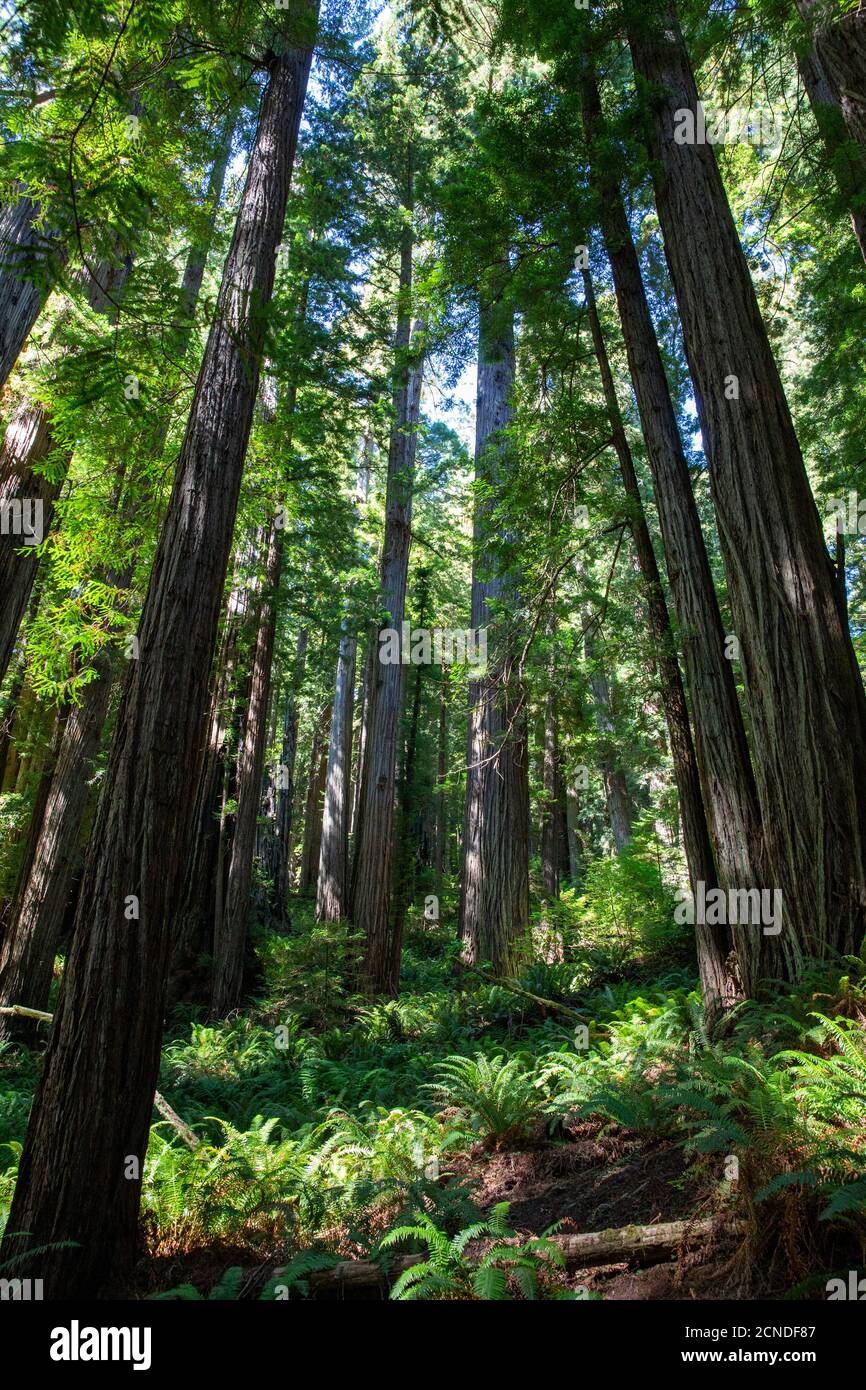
(803, 688)
(719, 985)
(231, 934)
(373, 860)
(724, 764)
(494, 901)
(79, 1178)
(333, 885)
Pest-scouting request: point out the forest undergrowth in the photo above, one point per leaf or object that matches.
(470, 1121)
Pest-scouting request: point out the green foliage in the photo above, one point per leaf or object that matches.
(505, 1271)
(495, 1096)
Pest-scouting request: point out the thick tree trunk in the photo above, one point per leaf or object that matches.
(729, 792)
(43, 898)
(803, 687)
(80, 1170)
(849, 165)
(231, 930)
(373, 866)
(840, 44)
(494, 901)
(718, 982)
(333, 885)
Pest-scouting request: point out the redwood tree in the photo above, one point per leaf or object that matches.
(80, 1174)
(803, 687)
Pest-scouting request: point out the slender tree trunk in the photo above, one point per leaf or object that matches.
(550, 795)
(368, 696)
(803, 687)
(80, 1173)
(572, 821)
(332, 892)
(714, 943)
(286, 799)
(315, 805)
(729, 792)
(619, 804)
(441, 863)
(494, 902)
(406, 856)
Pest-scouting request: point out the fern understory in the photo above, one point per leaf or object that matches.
(334, 1128)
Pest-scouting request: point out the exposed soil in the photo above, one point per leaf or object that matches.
(598, 1179)
(606, 1177)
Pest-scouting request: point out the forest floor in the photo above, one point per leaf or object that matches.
(326, 1121)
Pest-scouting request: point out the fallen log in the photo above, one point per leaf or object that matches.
(552, 1004)
(642, 1244)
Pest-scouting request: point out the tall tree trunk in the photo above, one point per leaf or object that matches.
(80, 1173)
(406, 856)
(441, 863)
(840, 44)
(373, 866)
(849, 165)
(29, 945)
(572, 820)
(314, 805)
(620, 810)
(729, 792)
(286, 798)
(368, 696)
(42, 901)
(494, 900)
(550, 848)
(333, 885)
(803, 687)
(231, 934)
(718, 982)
